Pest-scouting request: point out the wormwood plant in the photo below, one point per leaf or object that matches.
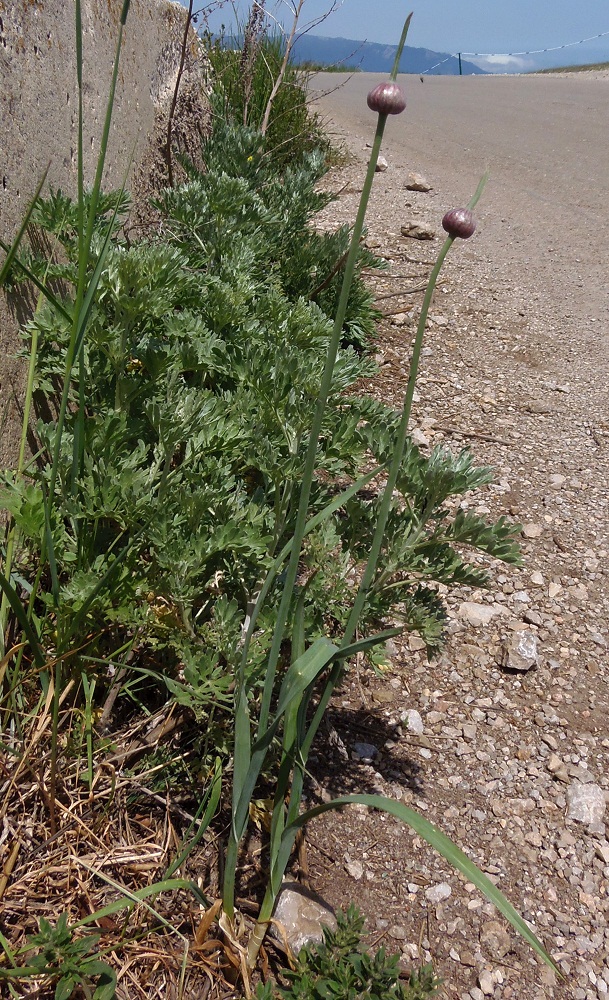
(211, 505)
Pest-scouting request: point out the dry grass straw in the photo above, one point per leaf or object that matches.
(113, 840)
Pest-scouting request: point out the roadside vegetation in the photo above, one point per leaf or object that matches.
(577, 69)
(316, 67)
(206, 522)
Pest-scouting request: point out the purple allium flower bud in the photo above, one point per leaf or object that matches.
(387, 99)
(459, 223)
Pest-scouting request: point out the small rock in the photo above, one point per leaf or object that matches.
(586, 803)
(398, 932)
(532, 618)
(413, 720)
(520, 652)
(602, 851)
(550, 741)
(419, 438)
(437, 893)
(468, 959)
(558, 768)
(487, 983)
(417, 231)
(300, 916)
(548, 976)
(476, 614)
(532, 530)
(381, 165)
(365, 751)
(355, 869)
(537, 579)
(539, 406)
(416, 182)
(495, 939)
(416, 644)
(554, 589)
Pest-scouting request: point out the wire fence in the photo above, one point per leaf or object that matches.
(524, 52)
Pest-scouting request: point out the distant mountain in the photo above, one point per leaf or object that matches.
(372, 57)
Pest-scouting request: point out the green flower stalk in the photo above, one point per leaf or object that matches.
(388, 100)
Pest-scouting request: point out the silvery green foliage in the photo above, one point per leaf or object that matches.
(200, 370)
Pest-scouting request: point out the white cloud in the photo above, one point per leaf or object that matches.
(502, 63)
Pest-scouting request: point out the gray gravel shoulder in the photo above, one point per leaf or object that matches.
(503, 742)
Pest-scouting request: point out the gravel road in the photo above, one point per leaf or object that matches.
(511, 762)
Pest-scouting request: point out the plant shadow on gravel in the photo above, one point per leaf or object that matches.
(340, 765)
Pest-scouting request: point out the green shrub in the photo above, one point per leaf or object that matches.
(293, 128)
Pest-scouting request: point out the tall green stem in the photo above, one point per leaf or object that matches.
(316, 425)
(398, 453)
(303, 507)
(241, 709)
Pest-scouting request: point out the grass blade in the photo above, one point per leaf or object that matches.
(134, 898)
(39, 285)
(300, 674)
(21, 616)
(313, 523)
(12, 251)
(212, 798)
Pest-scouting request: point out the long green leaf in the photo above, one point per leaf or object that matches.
(300, 674)
(339, 501)
(39, 284)
(138, 896)
(12, 251)
(436, 839)
(26, 625)
(212, 798)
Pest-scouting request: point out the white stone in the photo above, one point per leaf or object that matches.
(355, 869)
(476, 614)
(586, 803)
(299, 917)
(417, 231)
(495, 939)
(521, 652)
(438, 893)
(416, 182)
(419, 438)
(487, 983)
(381, 164)
(413, 720)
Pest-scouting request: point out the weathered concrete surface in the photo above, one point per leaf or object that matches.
(39, 116)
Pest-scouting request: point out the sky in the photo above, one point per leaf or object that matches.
(468, 26)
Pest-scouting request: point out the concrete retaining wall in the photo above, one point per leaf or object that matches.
(39, 116)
